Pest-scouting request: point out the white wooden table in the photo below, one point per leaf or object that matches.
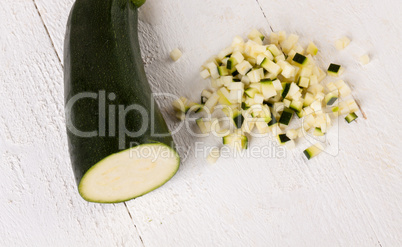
(351, 199)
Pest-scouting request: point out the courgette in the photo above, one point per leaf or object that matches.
(117, 153)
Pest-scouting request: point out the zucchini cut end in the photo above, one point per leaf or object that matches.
(129, 174)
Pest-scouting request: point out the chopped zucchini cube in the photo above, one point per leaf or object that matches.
(271, 67)
(330, 98)
(334, 69)
(283, 138)
(286, 116)
(351, 117)
(313, 151)
(312, 49)
(223, 71)
(300, 59)
(318, 132)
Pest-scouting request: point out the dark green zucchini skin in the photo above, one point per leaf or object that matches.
(102, 53)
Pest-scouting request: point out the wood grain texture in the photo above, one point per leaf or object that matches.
(39, 204)
(349, 196)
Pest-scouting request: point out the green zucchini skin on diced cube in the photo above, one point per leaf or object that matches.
(286, 90)
(300, 59)
(286, 116)
(313, 151)
(223, 71)
(351, 117)
(334, 68)
(307, 153)
(238, 119)
(231, 63)
(331, 100)
(283, 138)
(273, 120)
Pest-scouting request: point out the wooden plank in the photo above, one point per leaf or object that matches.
(368, 150)
(351, 199)
(39, 203)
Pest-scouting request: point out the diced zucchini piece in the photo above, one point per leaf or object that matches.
(274, 50)
(205, 74)
(353, 107)
(175, 54)
(313, 151)
(255, 75)
(300, 59)
(351, 117)
(286, 116)
(330, 98)
(289, 43)
(316, 105)
(223, 96)
(283, 138)
(304, 82)
(213, 70)
(365, 59)
(341, 43)
(292, 134)
(344, 91)
(308, 99)
(255, 34)
(250, 92)
(212, 101)
(277, 85)
(332, 87)
(274, 38)
(180, 115)
(296, 105)
(180, 105)
(312, 49)
(318, 132)
(244, 67)
(286, 90)
(213, 155)
(298, 49)
(280, 58)
(282, 36)
(236, 140)
(294, 89)
(287, 102)
(313, 80)
(273, 120)
(226, 52)
(203, 125)
(306, 71)
(236, 96)
(288, 71)
(238, 119)
(267, 89)
(270, 66)
(319, 73)
(223, 71)
(231, 63)
(258, 98)
(334, 69)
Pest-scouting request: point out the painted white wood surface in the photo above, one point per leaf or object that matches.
(352, 199)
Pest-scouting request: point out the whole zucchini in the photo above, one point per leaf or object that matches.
(119, 143)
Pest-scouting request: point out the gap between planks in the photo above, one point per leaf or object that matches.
(47, 32)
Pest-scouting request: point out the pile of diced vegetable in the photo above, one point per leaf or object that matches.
(263, 85)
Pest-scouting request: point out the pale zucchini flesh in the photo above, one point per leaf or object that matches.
(129, 174)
